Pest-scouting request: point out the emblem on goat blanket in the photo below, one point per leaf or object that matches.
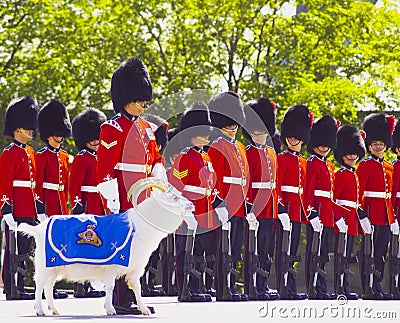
(76, 239)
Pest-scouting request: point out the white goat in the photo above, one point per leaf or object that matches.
(153, 220)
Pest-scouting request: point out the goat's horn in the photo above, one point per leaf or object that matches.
(142, 185)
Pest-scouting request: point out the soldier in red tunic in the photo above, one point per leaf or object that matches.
(83, 193)
(53, 164)
(127, 153)
(322, 211)
(231, 168)
(349, 150)
(260, 123)
(192, 173)
(295, 132)
(376, 179)
(17, 187)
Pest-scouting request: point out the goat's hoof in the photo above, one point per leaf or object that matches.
(145, 311)
(40, 314)
(56, 313)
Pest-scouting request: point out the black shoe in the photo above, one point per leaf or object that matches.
(273, 294)
(325, 296)
(212, 292)
(232, 297)
(21, 296)
(133, 310)
(95, 293)
(351, 296)
(297, 296)
(194, 298)
(387, 296)
(59, 295)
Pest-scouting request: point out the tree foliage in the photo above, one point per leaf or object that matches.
(337, 56)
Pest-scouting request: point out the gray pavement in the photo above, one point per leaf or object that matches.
(168, 309)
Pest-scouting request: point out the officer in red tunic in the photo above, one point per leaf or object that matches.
(17, 186)
(295, 133)
(259, 126)
(231, 168)
(84, 196)
(322, 211)
(52, 164)
(376, 179)
(128, 152)
(349, 150)
(192, 173)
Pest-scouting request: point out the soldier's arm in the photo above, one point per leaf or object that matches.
(76, 177)
(309, 187)
(7, 171)
(218, 162)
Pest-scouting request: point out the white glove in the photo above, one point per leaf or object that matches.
(109, 190)
(341, 225)
(285, 221)
(42, 217)
(366, 225)
(316, 224)
(222, 214)
(252, 220)
(190, 221)
(394, 227)
(159, 172)
(12, 225)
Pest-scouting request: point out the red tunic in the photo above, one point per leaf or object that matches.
(83, 183)
(346, 193)
(127, 151)
(52, 179)
(193, 175)
(17, 184)
(396, 187)
(228, 157)
(262, 170)
(376, 180)
(318, 191)
(290, 184)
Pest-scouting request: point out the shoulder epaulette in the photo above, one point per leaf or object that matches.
(113, 123)
(81, 152)
(248, 147)
(8, 147)
(42, 150)
(185, 150)
(311, 158)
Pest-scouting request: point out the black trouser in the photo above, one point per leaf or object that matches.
(381, 243)
(237, 234)
(349, 250)
(327, 233)
(149, 275)
(294, 245)
(24, 243)
(122, 294)
(204, 244)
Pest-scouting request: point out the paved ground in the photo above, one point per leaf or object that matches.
(168, 309)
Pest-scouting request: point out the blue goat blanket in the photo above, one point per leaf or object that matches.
(88, 239)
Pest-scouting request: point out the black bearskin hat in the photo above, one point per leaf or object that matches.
(160, 128)
(54, 120)
(378, 126)
(260, 115)
(349, 141)
(226, 109)
(396, 136)
(296, 123)
(86, 126)
(21, 113)
(323, 133)
(130, 82)
(194, 122)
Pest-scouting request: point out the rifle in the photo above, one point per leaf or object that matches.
(394, 265)
(15, 259)
(315, 269)
(146, 291)
(227, 260)
(205, 270)
(369, 265)
(188, 267)
(342, 266)
(171, 290)
(254, 266)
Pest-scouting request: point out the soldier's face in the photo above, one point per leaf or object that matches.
(200, 141)
(230, 131)
(294, 143)
(55, 141)
(93, 144)
(23, 135)
(259, 137)
(137, 108)
(322, 150)
(350, 159)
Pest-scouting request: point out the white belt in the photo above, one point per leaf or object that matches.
(29, 184)
(136, 168)
(234, 180)
(292, 189)
(398, 195)
(347, 203)
(198, 190)
(268, 185)
(90, 189)
(54, 187)
(379, 195)
(328, 194)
